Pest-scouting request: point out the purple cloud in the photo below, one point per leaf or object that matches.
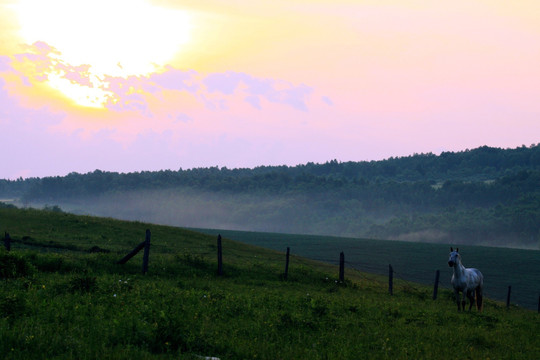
(76, 74)
(43, 48)
(213, 104)
(228, 83)
(256, 86)
(255, 101)
(294, 97)
(125, 99)
(183, 118)
(327, 100)
(136, 93)
(174, 79)
(5, 63)
(225, 83)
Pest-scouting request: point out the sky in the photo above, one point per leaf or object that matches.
(137, 85)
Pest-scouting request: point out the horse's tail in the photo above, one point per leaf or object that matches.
(479, 298)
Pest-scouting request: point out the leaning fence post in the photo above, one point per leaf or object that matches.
(7, 241)
(508, 296)
(220, 255)
(390, 280)
(436, 285)
(287, 263)
(341, 267)
(146, 252)
(131, 254)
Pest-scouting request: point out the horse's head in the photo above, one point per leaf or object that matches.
(454, 257)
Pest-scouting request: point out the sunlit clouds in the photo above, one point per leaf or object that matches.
(108, 38)
(154, 84)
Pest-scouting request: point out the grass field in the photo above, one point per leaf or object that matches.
(64, 297)
(416, 262)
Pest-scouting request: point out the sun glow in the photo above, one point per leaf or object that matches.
(115, 38)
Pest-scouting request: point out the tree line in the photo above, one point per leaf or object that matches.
(484, 195)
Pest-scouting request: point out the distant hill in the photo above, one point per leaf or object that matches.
(483, 196)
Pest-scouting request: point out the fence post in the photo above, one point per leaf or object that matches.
(7, 241)
(287, 263)
(436, 285)
(219, 256)
(508, 296)
(131, 254)
(390, 280)
(146, 252)
(341, 267)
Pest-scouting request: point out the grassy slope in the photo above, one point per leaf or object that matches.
(69, 303)
(414, 261)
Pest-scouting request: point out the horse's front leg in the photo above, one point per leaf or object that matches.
(458, 300)
(470, 295)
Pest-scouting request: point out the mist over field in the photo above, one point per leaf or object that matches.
(203, 209)
(185, 208)
(485, 196)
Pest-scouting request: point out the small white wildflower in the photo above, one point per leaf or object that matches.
(114, 295)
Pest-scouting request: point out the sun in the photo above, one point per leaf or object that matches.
(115, 38)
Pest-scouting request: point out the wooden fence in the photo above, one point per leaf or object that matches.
(341, 275)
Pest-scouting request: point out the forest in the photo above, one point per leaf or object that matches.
(484, 196)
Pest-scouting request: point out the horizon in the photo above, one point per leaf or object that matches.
(263, 165)
(150, 85)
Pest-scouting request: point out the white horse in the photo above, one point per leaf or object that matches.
(467, 280)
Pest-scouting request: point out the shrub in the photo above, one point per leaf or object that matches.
(53, 208)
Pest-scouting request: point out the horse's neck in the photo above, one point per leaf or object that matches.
(459, 269)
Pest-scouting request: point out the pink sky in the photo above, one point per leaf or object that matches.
(150, 85)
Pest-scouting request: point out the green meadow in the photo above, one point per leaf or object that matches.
(64, 297)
